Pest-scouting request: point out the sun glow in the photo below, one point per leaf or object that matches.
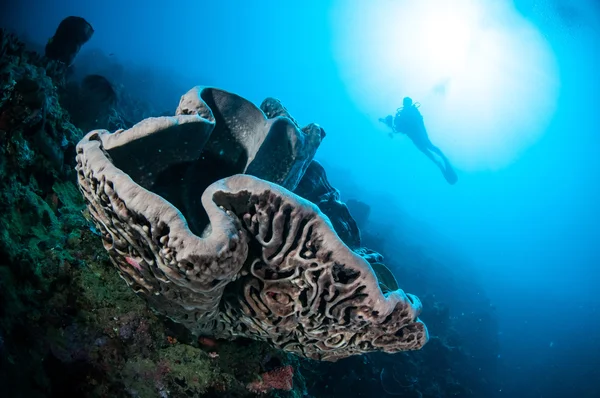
(485, 77)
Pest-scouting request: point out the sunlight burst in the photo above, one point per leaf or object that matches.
(486, 78)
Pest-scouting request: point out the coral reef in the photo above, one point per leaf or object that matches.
(29, 108)
(69, 326)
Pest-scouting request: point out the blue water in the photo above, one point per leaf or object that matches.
(528, 229)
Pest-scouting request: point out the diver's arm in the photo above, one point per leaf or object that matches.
(388, 121)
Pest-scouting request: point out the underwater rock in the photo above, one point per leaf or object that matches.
(9, 45)
(3, 43)
(360, 212)
(32, 94)
(25, 109)
(71, 34)
(98, 90)
(49, 148)
(315, 187)
(394, 382)
(250, 258)
(91, 102)
(29, 109)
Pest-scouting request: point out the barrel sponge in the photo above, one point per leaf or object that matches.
(258, 261)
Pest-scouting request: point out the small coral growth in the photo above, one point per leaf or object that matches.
(277, 379)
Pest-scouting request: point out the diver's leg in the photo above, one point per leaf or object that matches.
(447, 168)
(435, 149)
(428, 145)
(428, 153)
(425, 145)
(438, 151)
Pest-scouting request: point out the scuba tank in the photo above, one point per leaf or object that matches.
(407, 118)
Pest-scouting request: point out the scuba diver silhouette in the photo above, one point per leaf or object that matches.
(409, 121)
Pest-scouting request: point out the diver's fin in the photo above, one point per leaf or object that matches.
(449, 173)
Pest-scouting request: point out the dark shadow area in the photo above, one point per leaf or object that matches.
(199, 175)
